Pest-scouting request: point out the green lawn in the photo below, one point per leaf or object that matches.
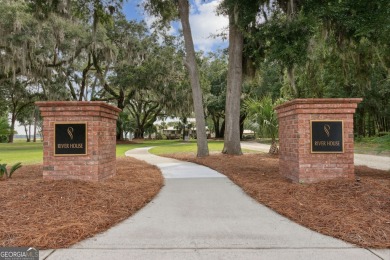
(363, 145)
(170, 146)
(122, 148)
(373, 145)
(21, 151)
(30, 153)
(185, 147)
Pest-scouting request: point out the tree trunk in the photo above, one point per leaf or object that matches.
(216, 126)
(242, 121)
(222, 130)
(119, 130)
(232, 111)
(11, 134)
(291, 79)
(121, 105)
(139, 133)
(274, 150)
(29, 132)
(84, 79)
(201, 139)
(27, 135)
(35, 126)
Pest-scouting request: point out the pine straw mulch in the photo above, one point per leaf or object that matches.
(355, 211)
(57, 214)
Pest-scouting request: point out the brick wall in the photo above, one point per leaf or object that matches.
(100, 159)
(296, 161)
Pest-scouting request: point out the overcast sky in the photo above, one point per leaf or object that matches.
(203, 19)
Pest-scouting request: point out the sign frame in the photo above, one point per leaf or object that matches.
(342, 136)
(71, 123)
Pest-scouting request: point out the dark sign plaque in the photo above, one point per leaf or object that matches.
(70, 138)
(327, 136)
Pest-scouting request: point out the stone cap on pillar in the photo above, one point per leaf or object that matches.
(91, 108)
(318, 105)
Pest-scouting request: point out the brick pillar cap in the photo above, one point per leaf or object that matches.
(319, 101)
(76, 104)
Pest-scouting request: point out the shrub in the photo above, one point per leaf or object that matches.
(4, 170)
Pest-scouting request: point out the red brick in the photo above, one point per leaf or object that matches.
(296, 160)
(101, 121)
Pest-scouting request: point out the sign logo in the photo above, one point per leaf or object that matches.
(70, 138)
(19, 253)
(327, 136)
(71, 130)
(327, 129)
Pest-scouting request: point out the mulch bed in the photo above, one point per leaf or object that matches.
(57, 214)
(355, 211)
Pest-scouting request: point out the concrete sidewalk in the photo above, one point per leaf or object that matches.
(201, 214)
(372, 161)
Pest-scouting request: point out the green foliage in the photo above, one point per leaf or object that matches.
(4, 129)
(246, 11)
(384, 143)
(4, 170)
(165, 11)
(213, 70)
(160, 136)
(353, 19)
(283, 40)
(261, 113)
(375, 145)
(153, 83)
(323, 49)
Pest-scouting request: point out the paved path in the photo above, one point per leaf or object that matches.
(372, 161)
(201, 214)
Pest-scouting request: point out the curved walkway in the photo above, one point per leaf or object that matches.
(201, 214)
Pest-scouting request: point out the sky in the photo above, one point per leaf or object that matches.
(203, 20)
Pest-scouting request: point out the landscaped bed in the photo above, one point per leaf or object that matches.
(56, 214)
(354, 211)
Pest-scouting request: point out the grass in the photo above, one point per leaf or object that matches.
(31, 153)
(363, 145)
(21, 151)
(122, 148)
(185, 147)
(373, 145)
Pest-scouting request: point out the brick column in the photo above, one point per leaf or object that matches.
(99, 159)
(297, 161)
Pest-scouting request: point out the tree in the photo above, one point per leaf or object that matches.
(26, 119)
(167, 11)
(262, 113)
(328, 49)
(128, 123)
(214, 74)
(19, 98)
(241, 14)
(153, 84)
(232, 143)
(194, 79)
(4, 129)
